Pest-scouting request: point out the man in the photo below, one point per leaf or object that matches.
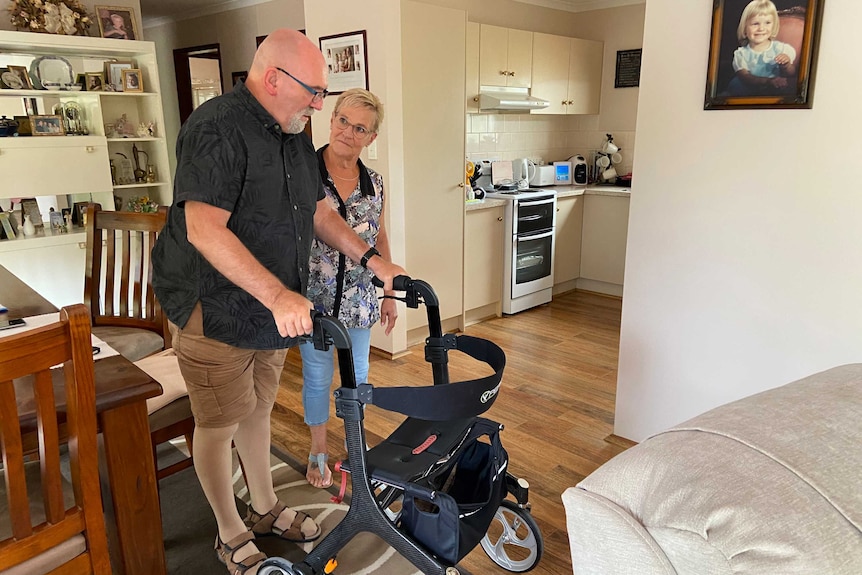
(230, 269)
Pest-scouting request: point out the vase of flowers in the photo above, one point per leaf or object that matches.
(142, 204)
(67, 17)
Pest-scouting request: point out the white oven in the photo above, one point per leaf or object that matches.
(528, 278)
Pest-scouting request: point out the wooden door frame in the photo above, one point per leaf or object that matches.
(183, 73)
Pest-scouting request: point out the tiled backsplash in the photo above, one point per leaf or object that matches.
(546, 137)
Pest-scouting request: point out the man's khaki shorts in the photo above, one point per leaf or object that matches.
(225, 383)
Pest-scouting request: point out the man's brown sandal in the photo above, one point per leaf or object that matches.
(264, 525)
(225, 552)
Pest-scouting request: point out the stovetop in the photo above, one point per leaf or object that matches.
(525, 194)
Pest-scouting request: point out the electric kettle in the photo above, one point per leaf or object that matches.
(523, 170)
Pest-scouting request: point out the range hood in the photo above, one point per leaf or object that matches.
(509, 99)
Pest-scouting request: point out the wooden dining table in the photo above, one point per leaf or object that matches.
(122, 390)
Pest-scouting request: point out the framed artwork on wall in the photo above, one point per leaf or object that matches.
(762, 53)
(346, 60)
(117, 22)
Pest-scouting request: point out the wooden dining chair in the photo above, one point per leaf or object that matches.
(118, 286)
(118, 289)
(50, 523)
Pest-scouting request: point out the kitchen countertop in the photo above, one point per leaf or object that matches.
(562, 192)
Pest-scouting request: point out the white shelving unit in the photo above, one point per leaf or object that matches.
(63, 170)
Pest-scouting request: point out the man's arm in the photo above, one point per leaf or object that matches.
(332, 229)
(208, 232)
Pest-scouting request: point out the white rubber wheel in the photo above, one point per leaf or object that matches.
(513, 540)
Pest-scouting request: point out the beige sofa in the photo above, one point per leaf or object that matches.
(770, 484)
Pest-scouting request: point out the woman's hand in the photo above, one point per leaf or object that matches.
(388, 314)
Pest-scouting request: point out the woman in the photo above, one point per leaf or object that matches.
(337, 285)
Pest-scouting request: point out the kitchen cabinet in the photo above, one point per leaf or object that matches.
(567, 242)
(483, 261)
(603, 248)
(505, 56)
(472, 70)
(568, 73)
(433, 127)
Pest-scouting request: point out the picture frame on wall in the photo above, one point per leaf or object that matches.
(237, 76)
(132, 80)
(114, 74)
(117, 22)
(762, 54)
(346, 60)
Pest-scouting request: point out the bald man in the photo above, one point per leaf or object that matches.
(231, 269)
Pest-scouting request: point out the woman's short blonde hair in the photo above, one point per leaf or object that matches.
(361, 98)
(757, 8)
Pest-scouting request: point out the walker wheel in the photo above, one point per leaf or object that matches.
(513, 540)
(276, 566)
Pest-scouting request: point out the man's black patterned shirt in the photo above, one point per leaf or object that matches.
(232, 154)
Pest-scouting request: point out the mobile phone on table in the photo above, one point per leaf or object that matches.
(10, 323)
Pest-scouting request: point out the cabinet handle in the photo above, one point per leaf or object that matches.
(504, 73)
(511, 73)
(461, 185)
(90, 149)
(563, 102)
(570, 102)
(500, 219)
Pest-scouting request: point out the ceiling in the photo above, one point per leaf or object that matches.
(156, 12)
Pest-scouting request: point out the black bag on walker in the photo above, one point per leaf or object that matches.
(449, 511)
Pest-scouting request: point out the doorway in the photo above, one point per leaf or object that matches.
(199, 76)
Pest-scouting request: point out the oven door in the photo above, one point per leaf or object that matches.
(532, 263)
(532, 216)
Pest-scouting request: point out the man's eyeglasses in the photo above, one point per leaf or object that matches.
(319, 95)
(358, 131)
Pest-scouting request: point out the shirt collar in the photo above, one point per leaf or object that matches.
(246, 97)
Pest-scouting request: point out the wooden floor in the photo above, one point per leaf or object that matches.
(557, 405)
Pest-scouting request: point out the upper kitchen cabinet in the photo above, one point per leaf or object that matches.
(568, 73)
(505, 56)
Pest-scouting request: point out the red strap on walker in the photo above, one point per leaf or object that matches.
(340, 497)
(425, 444)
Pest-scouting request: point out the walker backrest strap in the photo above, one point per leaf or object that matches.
(454, 400)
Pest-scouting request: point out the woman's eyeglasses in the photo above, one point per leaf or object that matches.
(358, 131)
(319, 95)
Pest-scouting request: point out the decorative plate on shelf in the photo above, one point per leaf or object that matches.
(51, 71)
(12, 80)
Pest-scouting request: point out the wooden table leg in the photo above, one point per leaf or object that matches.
(132, 476)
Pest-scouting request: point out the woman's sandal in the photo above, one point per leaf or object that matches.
(264, 525)
(317, 463)
(225, 552)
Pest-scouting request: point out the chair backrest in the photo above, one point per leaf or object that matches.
(43, 529)
(118, 285)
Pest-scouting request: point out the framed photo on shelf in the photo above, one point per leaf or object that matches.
(49, 125)
(132, 80)
(94, 81)
(30, 207)
(346, 61)
(78, 211)
(117, 22)
(114, 74)
(15, 78)
(773, 70)
(6, 230)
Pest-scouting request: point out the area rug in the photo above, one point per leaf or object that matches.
(190, 529)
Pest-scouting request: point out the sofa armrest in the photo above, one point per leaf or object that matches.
(620, 547)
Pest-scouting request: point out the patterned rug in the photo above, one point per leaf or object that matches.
(189, 527)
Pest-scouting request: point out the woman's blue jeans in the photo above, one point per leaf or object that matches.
(318, 367)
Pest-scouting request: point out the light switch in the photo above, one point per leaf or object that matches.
(372, 150)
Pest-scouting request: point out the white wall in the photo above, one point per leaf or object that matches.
(744, 265)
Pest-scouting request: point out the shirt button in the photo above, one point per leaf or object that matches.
(295, 207)
(300, 238)
(288, 176)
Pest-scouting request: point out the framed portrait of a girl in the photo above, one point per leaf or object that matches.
(762, 53)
